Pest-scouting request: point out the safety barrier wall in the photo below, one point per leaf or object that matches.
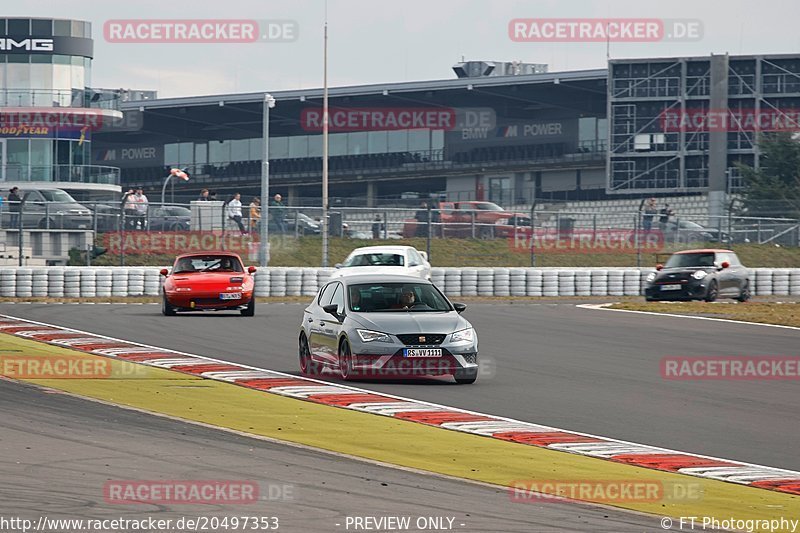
(91, 282)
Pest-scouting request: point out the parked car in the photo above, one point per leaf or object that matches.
(368, 326)
(705, 274)
(169, 218)
(208, 282)
(405, 260)
(54, 209)
(685, 231)
(457, 219)
(305, 224)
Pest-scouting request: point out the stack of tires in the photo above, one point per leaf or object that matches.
(104, 282)
(452, 281)
(763, 281)
(533, 282)
(485, 282)
(517, 286)
(599, 282)
(780, 281)
(469, 282)
(72, 283)
(55, 282)
(566, 283)
(8, 282)
(294, 282)
(152, 281)
(632, 282)
(262, 281)
(40, 288)
(616, 282)
(119, 282)
(437, 277)
(277, 282)
(88, 283)
(794, 282)
(550, 283)
(323, 276)
(136, 282)
(309, 278)
(583, 283)
(502, 282)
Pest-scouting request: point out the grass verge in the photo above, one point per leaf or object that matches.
(781, 313)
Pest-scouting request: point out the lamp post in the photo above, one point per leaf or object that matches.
(325, 225)
(263, 247)
(179, 172)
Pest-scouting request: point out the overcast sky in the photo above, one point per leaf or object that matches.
(376, 41)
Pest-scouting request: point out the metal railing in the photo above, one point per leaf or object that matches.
(66, 173)
(87, 98)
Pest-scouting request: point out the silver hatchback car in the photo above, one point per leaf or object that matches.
(393, 326)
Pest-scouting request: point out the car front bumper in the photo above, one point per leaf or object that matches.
(374, 359)
(690, 290)
(206, 301)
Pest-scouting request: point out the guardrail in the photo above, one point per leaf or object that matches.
(103, 282)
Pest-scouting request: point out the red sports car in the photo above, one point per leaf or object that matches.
(208, 282)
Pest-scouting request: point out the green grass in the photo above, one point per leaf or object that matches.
(307, 252)
(786, 314)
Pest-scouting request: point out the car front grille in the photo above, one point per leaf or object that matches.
(470, 357)
(421, 339)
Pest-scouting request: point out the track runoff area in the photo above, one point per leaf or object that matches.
(532, 463)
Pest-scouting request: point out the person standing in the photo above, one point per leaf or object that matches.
(255, 215)
(141, 204)
(203, 196)
(663, 219)
(14, 206)
(377, 227)
(234, 211)
(278, 213)
(650, 211)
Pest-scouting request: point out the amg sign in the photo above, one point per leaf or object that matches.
(8, 44)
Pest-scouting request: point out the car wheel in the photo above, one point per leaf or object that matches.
(166, 307)
(466, 376)
(712, 293)
(345, 360)
(487, 232)
(307, 366)
(44, 224)
(744, 294)
(250, 310)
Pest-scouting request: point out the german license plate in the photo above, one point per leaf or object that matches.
(670, 287)
(230, 296)
(422, 352)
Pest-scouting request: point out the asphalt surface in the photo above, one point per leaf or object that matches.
(590, 371)
(58, 452)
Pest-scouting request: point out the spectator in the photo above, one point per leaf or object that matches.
(665, 213)
(650, 211)
(129, 209)
(255, 215)
(14, 206)
(377, 227)
(141, 204)
(278, 213)
(212, 196)
(234, 211)
(203, 196)
(422, 220)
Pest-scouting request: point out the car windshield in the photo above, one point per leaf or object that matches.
(375, 259)
(488, 206)
(704, 259)
(208, 263)
(176, 212)
(397, 297)
(54, 195)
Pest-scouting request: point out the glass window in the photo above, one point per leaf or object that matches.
(437, 140)
(41, 28)
(3, 25)
(61, 28)
(378, 142)
(315, 145)
(77, 73)
(256, 148)
(42, 85)
(87, 30)
(398, 141)
(185, 154)
(17, 151)
(62, 152)
(337, 144)
(87, 71)
(62, 80)
(419, 140)
(278, 148)
(240, 150)
(19, 26)
(41, 159)
(219, 151)
(602, 128)
(18, 81)
(79, 154)
(357, 143)
(338, 297)
(77, 29)
(170, 154)
(326, 294)
(298, 146)
(200, 154)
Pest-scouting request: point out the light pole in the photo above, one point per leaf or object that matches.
(325, 145)
(263, 248)
(180, 172)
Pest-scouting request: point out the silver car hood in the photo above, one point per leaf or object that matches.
(395, 322)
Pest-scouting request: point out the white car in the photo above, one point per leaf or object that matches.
(404, 260)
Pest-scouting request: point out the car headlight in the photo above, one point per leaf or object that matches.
(465, 335)
(368, 335)
(699, 274)
(651, 276)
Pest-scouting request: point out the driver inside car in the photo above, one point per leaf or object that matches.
(407, 300)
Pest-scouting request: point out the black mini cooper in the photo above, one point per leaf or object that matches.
(699, 275)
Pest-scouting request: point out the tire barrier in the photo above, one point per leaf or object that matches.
(104, 282)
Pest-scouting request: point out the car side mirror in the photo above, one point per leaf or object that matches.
(337, 265)
(251, 269)
(332, 309)
(725, 264)
(459, 307)
(423, 254)
(164, 272)
(659, 266)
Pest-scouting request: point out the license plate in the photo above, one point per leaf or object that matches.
(230, 296)
(670, 287)
(422, 352)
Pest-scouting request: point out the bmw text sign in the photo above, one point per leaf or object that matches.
(29, 44)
